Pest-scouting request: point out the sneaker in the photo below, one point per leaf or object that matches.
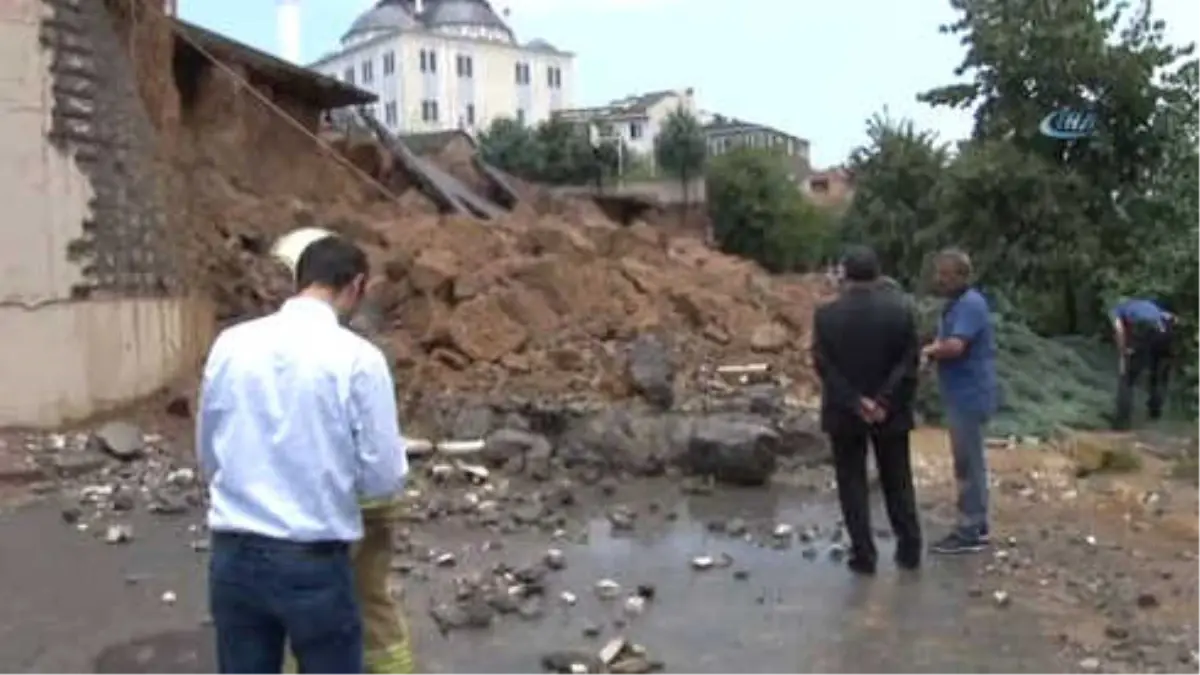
(956, 542)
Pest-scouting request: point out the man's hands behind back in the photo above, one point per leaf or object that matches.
(871, 411)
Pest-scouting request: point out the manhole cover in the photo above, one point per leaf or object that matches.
(187, 651)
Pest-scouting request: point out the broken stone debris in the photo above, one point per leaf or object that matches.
(118, 439)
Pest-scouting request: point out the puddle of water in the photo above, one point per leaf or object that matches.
(792, 613)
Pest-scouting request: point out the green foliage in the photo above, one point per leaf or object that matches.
(510, 145)
(679, 148)
(555, 152)
(894, 208)
(757, 212)
(568, 157)
(1059, 230)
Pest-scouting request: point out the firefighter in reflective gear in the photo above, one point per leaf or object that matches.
(385, 633)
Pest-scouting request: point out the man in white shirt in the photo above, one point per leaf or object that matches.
(297, 423)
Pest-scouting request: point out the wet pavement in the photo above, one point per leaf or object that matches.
(76, 604)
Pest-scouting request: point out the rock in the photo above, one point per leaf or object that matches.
(470, 613)
(1001, 598)
(607, 589)
(531, 608)
(801, 438)
(76, 464)
(646, 591)
(703, 562)
(571, 662)
(592, 630)
(741, 575)
(169, 598)
(555, 559)
(445, 560)
(1147, 601)
(731, 450)
(769, 337)
(611, 650)
(433, 271)
(119, 439)
(736, 527)
(568, 598)
(618, 438)
(118, 534)
(633, 665)
(482, 329)
(635, 605)
(504, 445)
(71, 514)
(1090, 665)
(622, 519)
(651, 372)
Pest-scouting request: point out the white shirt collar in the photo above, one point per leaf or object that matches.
(309, 306)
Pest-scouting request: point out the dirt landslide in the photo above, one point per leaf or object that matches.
(544, 300)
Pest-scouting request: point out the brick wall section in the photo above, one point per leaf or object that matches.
(98, 115)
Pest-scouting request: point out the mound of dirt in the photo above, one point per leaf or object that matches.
(542, 302)
(533, 304)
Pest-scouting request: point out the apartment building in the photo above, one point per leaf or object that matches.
(726, 133)
(635, 119)
(438, 65)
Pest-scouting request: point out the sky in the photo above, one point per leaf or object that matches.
(817, 69)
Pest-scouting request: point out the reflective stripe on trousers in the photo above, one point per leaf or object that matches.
(385, 635)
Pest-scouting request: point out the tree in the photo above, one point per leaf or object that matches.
(510, 145)
(1066, 213)
(757, 212)
(568, 157)
(680, 149)
(895, 207)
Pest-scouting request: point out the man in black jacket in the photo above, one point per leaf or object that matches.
(866, 352)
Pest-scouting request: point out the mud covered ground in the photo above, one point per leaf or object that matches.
(1092, 574)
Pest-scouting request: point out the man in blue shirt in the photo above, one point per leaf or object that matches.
(965, 352)
(1142, 333)
(297, 422)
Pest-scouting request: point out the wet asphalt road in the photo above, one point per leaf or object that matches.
(74, 604)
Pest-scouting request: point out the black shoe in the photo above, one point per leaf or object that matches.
(908, 556)
(861, 565)
(957, 542)
(985, 535)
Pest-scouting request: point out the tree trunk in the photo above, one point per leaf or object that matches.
(683, 213)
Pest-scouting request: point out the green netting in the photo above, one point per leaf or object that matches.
(1045, 383)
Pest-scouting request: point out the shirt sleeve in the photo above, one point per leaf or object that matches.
(379, 447)
(209, 412)
(967, 319)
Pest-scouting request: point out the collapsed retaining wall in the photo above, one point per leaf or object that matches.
(94, 314)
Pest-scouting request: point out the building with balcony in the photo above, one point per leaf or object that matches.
(635, 120)
(438, 65)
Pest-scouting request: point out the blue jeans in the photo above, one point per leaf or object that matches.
(970, 468)
(264, 591)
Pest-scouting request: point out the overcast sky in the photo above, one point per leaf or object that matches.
(814, 68)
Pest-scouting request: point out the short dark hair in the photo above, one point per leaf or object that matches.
(860, 263)
(332, 262)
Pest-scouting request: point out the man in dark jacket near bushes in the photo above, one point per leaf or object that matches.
(866, 350)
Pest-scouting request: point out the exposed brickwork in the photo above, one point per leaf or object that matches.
(99, 117)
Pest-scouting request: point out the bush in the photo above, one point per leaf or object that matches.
(1045, 384)
(759, 213)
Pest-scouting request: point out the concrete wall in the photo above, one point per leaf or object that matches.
(668, 192)
(91, 314)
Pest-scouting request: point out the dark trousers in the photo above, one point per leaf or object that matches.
(264, 591)
(893, 461)
(1150, 354)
